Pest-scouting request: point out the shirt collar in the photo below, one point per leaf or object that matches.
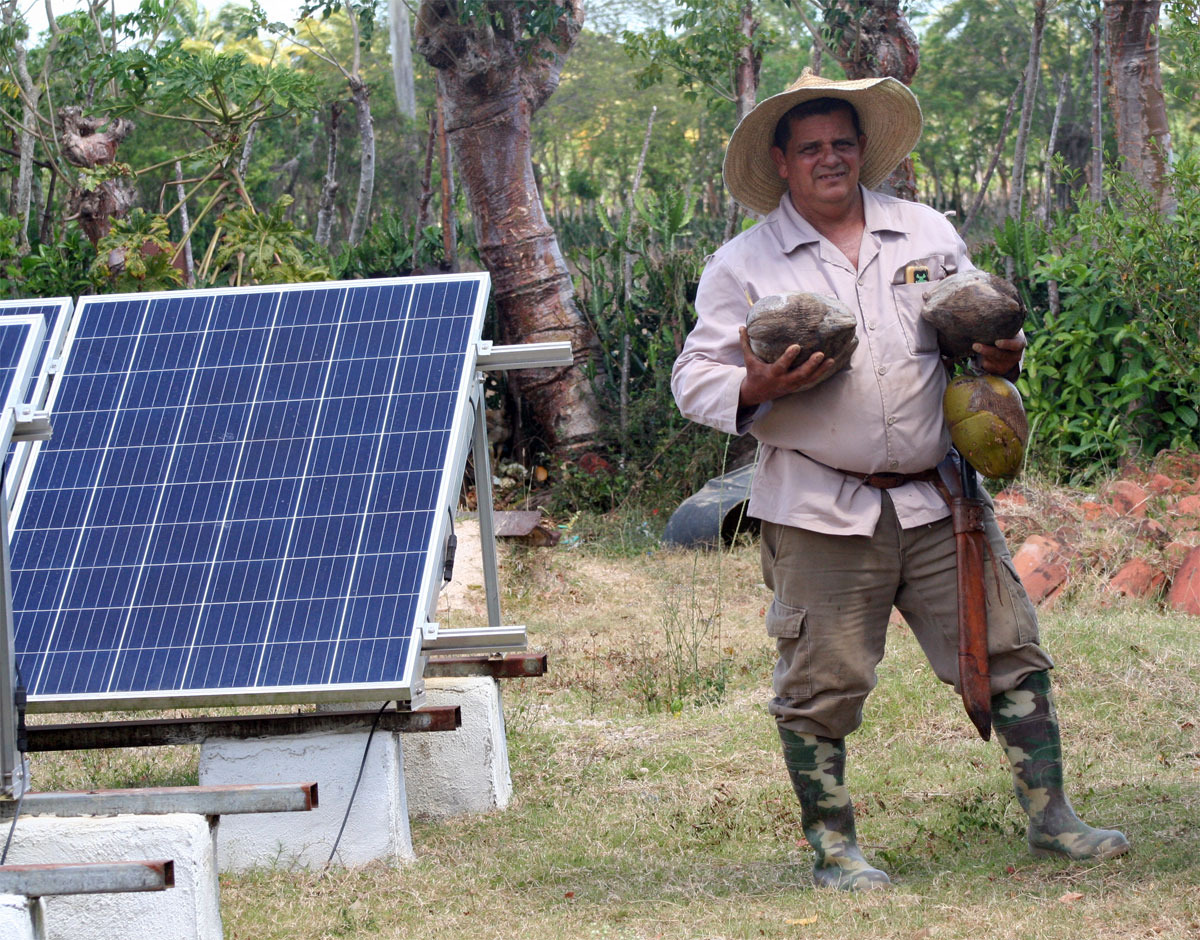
(794, 230)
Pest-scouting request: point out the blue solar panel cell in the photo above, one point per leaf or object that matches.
(244, 492)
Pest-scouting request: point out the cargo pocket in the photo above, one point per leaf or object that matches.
(785, 624)
(1015, 604)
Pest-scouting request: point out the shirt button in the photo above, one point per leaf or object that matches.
(891, 420)
(893, 464)
(883, 370)
(871, 325)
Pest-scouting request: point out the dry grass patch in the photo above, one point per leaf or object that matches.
(638, 819)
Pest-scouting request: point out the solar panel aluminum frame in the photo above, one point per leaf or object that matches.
(19, 452)
(409, 682)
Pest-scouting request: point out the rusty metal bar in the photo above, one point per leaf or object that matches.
(156, 732)
(35, 881)
(509, 666)
(225, 800)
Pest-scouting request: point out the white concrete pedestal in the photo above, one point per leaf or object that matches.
(188, 911)
(21, 918)
(378, 823)
(451, 773)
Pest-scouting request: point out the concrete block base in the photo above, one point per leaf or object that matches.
(378, 823)
(188, 911)
(21, 918)
(465, 771)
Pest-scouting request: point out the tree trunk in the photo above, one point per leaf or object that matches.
(745, 86)
(189, 266)
(329, 185)
(426, 188)
(92, 142)
(491, 86)
(1097, 163)
(879, 42)
(1020, 149)
(1139, 109)
(449, 235)
(26, 140)
(360, 95)
(402, 66)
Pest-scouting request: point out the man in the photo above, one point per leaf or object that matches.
(851, 524)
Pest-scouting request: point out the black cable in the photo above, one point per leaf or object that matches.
(349, 805)
(13, 828)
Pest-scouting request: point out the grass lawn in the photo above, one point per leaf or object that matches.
(651, 800)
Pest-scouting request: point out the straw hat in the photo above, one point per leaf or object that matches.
(888, 113)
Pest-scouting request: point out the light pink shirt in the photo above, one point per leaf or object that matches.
(883, 413)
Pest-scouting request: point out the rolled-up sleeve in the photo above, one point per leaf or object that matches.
(707, 377)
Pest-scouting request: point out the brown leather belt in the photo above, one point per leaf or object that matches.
(889, 481)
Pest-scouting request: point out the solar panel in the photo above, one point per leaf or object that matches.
(55, 313)
(57, 316)
(246, 493)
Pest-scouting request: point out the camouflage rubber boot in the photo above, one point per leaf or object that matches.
(1027, 726)
(816, 766)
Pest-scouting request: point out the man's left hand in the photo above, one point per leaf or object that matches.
(1004, 358)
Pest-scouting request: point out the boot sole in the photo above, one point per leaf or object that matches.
(1039, 852)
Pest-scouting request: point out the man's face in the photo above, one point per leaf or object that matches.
(822, 162)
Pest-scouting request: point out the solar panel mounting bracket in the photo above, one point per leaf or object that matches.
(491, 358)
(31, 425)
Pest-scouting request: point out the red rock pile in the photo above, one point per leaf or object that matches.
(1139, 535)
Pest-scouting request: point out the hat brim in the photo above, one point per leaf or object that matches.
(888, 114)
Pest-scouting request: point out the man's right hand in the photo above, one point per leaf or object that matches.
(766, 381)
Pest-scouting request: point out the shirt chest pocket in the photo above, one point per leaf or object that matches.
(918, 334)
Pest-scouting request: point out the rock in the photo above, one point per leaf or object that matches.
(1184, 595)
(1175, 552)
(987, 423)
(1188, 506)
(1093, 511)
(1041, 565)
(1137, 578)
(972, 307)
(1161, 484)
(1127, 498)
(1011, 497)
(810, 321)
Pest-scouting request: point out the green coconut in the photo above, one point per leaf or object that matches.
(810, 321)
(987, 423)
(972, 307)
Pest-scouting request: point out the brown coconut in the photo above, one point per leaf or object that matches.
(810, 321)
(972, 307)
(987, 423)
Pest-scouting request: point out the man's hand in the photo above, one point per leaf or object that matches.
(766, 381)
(1002, 359)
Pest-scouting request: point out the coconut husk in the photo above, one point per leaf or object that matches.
(987, 423)
(972, 307)
(810, 321)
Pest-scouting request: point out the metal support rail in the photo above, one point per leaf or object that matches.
(35, 881)
(508, 666)
(156, 732)
(226, 800)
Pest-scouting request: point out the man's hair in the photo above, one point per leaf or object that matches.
(783, 130)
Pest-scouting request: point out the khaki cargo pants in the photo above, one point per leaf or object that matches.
(833, 597)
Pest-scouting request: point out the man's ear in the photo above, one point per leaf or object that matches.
(780, 162)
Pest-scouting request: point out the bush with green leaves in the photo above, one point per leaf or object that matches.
(136, 255)
(58, 270)
(391, 247)
(1114, 373)
(641, 315)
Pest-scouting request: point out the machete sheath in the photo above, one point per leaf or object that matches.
(966, 511)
